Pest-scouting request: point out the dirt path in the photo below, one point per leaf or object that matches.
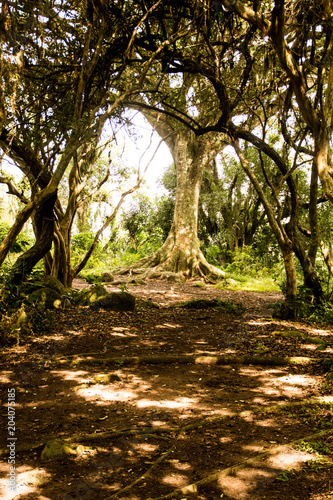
(176, 423)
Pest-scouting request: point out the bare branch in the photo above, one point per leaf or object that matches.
(12, 189)
(112, 216)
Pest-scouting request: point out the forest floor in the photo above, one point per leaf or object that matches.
(170, 402)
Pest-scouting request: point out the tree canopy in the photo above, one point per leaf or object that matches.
(256, 75)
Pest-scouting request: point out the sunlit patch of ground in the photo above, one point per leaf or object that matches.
(243, 483)
(5, 377)
(28, 480)
(143, 409)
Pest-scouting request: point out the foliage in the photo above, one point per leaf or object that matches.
(81, 242)
(246, 262)
(20, 318)
(319, 448)
(286, 474)
(169, 181)
(148, 222)
(248, 272)
(91, 277)
(225, 306)
(308, 308)
(213, 254)
(22, 241)
(248, 283)
(4, 271)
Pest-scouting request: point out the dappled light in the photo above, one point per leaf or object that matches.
(29, 481)
(176, 480)
(166, 257)
(181, 403)
(164, 400)
(168, 325)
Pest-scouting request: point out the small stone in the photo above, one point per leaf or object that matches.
(107, 277)
(107, 378)
(56, 449)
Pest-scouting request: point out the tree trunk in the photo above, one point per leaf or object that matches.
(181, 252)
(15, 230)
(285, 243)
(327, 255)
(291, 283)
(44, 220)
(61, 263)
(311, 279)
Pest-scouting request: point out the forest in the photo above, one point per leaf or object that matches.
(170, 309)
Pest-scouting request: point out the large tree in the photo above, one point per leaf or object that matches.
(252, 93)
(62, 63)
(181, 251)
(300, 34)
(182, 103)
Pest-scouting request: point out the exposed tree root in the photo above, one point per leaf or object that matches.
(156, 431)
(206, 423)
(193, 488)
(82, 438)
(170, 262)
(144, 476)
(202, 359)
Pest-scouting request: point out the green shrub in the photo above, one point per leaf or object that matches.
(91, 276)
(307, 307)
(245, 262)
(18, 317)
(22, 242)
(213, 255)
(82, 242)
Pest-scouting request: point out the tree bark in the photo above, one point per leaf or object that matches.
(181, 251)
(285, 243)
(291, 283)
(44, 220)
(327, 255)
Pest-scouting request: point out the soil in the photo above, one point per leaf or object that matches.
(170, 402)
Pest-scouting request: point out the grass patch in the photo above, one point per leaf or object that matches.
(248, 283)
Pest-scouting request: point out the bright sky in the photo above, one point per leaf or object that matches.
(141, 150)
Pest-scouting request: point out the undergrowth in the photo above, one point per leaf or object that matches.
(19, 317)
(222, 305)
(247, 283)
(308, 308)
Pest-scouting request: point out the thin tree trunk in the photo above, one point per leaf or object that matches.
(326, 253)
(15, 230)
(291, 283)
(285, 243)
(311, 279)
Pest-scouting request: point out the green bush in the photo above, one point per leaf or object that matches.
(213, 255)
(22, 242)
(82, 242)
(246, 263)
(19, 318)
(307, 307)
